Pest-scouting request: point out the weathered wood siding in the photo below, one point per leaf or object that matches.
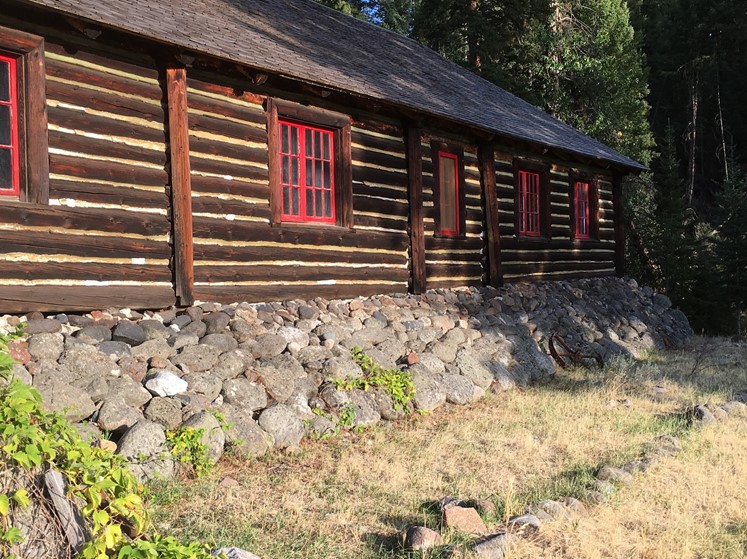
(239, 255)
(560, 256)
(454, 261)
(104, 237)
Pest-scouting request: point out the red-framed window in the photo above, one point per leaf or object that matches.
(582, 210)
(448, 178)
(307, 173)
(529, 204)
(9, 160)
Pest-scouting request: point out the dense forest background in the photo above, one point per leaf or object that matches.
(662, 81)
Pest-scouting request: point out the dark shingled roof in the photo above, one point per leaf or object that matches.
(304, 40)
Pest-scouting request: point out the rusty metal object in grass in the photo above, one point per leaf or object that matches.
(566, 356)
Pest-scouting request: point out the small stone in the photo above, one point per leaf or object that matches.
(234, 553)
(166, 383)
(197, 358)
(134, 394)
(614, 475)
(412, 358)
(45, 346)
(94, 334)
(703, 416)
(144, 447)
(116, 416)
(525, 522)
(222, 342)
(128, 332)
(68, 400)
(285, 427)
(420, 538)
(494, 546)
(114, 350)
(719, 413)
(216, 322)
(19, 351)
(228, 481)
(244, 394)
(269, 345)
(553, 509)
(604, 487)
(213, 437)
(165, 411)
(155, 330)
(735, 408)
(464, 519)
(574, 505)
(106, 444)
(42, 326)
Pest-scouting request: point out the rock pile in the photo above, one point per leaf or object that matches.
(129, 376)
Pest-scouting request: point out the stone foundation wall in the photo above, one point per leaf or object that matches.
(128, 377)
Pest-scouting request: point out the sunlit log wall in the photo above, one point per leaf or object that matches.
(453, 261)
(104, 237)
(239, 255)
(558, 257)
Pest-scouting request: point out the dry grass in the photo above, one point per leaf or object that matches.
(354, 496)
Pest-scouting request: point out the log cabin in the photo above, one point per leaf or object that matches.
(158, 153)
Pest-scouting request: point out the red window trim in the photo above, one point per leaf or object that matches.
(12, 102)
(525, 204)
(457, 211)
(585, 216)
(302, 186)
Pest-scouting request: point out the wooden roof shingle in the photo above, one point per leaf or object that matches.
(304, 40)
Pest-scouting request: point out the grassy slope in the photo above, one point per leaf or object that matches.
(353, 496)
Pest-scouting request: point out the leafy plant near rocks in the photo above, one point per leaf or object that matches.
(398, 384)
(186, 446)
(34, 439)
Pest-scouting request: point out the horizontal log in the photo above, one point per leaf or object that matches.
(386, 207)
(217, 124)
(76, 120)
(294, 234)
(451, 283)
(455, 243)
(145, 66)
(92, 245)
(466, 269)
(220, 185)
(111, 82)
(378, 142)
(380, 127)
(216, 167)
(108, 194)
(97, 148)
(88, 219)
(362, 189)
(237, 273)
(46, 298)
(367, 174)
(549, 245)
(109, 102)
(236, 150)
(95, 271)
(293, 253)
(105, 170)
(373, 221)
(381, 159)
(206, 204)
(244, 111)
(205, 81)
(550, 267)
(262, 293)
(558, 276)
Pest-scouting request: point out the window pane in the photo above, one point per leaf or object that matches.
(448, 186)
(286, 200)
(326, 146)
(6, 169)
(327, 175)
(318, 199)
(294, 140)
(296, 209)
(317, 173)
(309, 172)
(327, 203)
(5, 125)
(283, 138)
(317, 144)
(309, 142)
(309, 202)
(295, 181)
(285, 178)
(4, 80)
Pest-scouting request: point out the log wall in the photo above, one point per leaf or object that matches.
(560, 256)
(454, 261)
(239, 255)
(104, 237)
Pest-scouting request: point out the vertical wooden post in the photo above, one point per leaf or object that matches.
(486, 158)
(181, 184)
(617, 205)
(415, 197)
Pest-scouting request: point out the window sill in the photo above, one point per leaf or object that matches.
(452, 237)
(310, 226)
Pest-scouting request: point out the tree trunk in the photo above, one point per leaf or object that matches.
(692, 134)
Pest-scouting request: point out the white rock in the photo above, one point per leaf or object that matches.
(234, 553)
(165, 383)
